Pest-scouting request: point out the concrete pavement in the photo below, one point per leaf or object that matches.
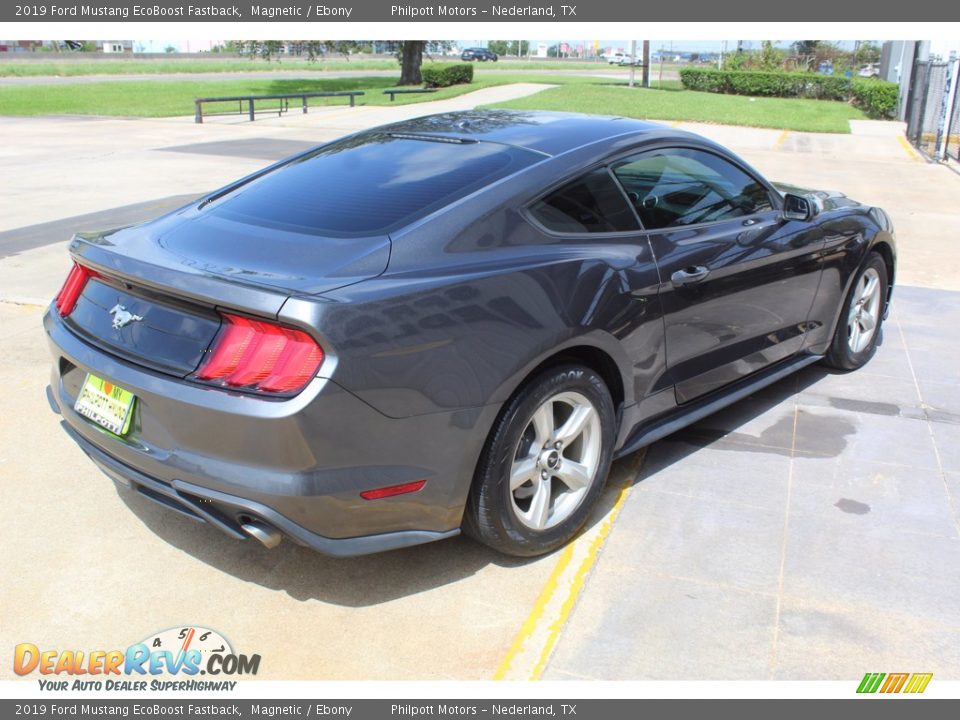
(808, 532)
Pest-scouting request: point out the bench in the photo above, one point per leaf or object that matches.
(283, 98)
(407, 91)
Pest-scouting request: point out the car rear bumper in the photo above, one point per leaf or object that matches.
(225, 512)
(296, 465)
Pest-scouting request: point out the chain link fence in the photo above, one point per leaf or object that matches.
(933, 112)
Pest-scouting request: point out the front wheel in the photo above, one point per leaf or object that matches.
(861, 317)
(545, 463)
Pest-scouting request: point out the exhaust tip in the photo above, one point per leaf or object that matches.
(266, 535)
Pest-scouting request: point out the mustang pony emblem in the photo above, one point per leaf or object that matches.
(122, 317)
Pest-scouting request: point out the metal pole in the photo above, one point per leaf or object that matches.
(923, 108)
(646, 63)
(946, 109)
(633, 61)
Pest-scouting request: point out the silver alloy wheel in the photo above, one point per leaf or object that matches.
(864, 314)
(556, 460)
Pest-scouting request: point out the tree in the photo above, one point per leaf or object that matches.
(409, 52)
(509, 47)
(411, 58)
(867, 52)
(769, 57)
(230, 46)
(806, 47)
(169, 49)
(806, 51)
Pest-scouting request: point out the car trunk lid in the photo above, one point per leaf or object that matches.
(155, 297)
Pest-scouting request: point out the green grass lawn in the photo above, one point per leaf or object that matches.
(162, 98)
(77, 65)
(675, 104)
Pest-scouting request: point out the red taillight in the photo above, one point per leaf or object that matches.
(390, 491)
(72, 287)
(261, 356)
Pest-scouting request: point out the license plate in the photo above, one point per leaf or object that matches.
(106, 404)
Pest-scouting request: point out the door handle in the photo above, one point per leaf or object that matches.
(689, 275)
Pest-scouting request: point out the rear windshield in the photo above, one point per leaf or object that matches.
(370, 184)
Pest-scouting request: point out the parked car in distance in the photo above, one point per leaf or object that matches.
(870, 70)
(620, 58)
(479, 54)
(450, 323)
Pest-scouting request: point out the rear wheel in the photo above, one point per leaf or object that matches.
(544, 464)
(858, 330)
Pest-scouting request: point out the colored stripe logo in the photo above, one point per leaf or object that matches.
(913, 683)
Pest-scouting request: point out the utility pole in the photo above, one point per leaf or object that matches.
(646, 63)
(633, 61)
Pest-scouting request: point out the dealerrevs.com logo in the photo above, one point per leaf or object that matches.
(168, 660)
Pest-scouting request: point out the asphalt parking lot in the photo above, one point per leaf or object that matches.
(810, 532)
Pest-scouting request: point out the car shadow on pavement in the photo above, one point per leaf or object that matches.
(308, 575)
(763, 423)
(374, 579)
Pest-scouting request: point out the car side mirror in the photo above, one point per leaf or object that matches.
(797, 207)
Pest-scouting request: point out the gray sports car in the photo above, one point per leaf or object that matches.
(452, 323)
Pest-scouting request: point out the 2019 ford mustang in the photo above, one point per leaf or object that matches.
(455, 322)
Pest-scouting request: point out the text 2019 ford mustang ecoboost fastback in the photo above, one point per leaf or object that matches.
(450, 323)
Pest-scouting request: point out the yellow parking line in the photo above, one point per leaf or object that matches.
(914, 155)
(780, 140)
(530, 625)
(537, 638)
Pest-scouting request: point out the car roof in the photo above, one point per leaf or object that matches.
(550, 133)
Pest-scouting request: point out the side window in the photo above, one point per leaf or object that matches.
(681, 186)
(590, 204)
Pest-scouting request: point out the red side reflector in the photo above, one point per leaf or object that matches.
(261, 356)
(72, 287)
(390, 491)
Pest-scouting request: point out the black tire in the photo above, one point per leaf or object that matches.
(492, 512)
(841, 355)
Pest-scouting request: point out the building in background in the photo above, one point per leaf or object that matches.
(116, 46)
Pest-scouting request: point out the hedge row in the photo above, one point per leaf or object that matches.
(447, 75)
(876, 97)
